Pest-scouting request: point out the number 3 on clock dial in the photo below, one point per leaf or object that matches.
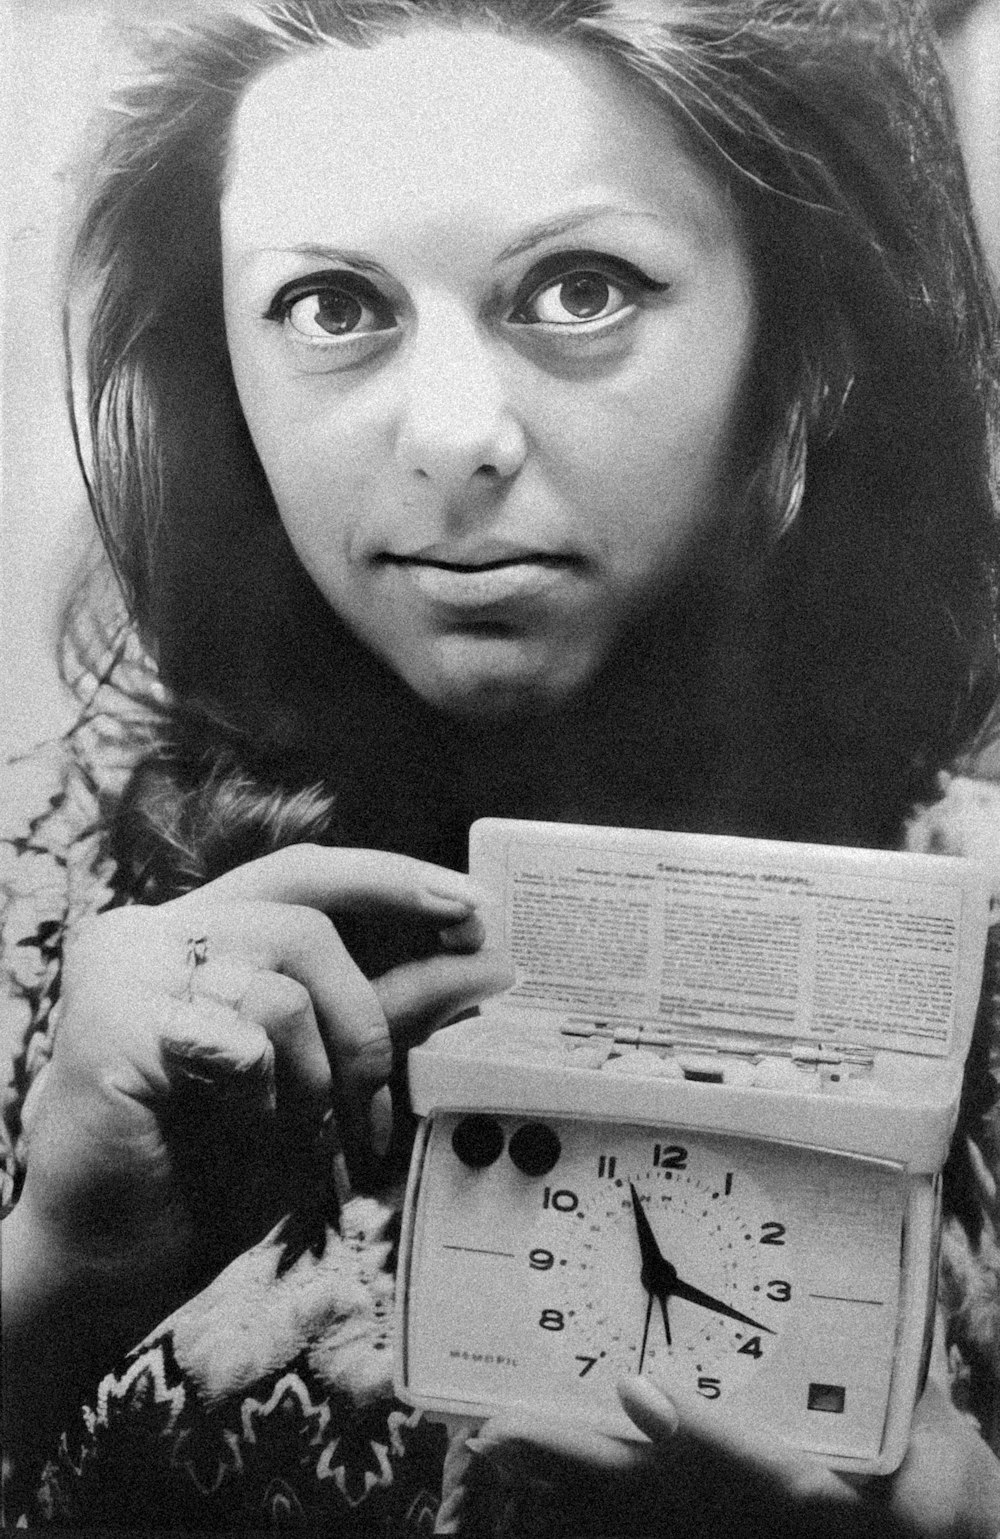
(703, 1310)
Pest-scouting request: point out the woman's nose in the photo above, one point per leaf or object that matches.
(456, 419)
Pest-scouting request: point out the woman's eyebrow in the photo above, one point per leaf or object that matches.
(550, 229)
(321, 253)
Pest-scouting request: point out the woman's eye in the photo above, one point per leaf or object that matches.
(329, 312)
(579, 296)
(582, 291)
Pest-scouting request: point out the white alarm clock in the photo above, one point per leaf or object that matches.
(701, 1138)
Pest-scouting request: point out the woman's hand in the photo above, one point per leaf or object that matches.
(706, 1479)
(200, 1046)
(197, 1035)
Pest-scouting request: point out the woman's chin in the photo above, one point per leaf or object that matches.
(490, 679)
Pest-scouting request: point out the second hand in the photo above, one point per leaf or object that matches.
(645, 1330)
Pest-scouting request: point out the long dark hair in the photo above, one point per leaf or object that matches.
(815, 681)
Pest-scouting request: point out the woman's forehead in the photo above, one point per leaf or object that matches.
(442, 121)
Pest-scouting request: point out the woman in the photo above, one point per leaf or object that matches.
(570, 410)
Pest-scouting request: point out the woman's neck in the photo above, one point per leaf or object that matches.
(635, 749)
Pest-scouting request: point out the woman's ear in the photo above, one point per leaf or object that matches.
(814, 413)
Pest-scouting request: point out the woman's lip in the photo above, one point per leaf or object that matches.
(477, 585)
(477, 551)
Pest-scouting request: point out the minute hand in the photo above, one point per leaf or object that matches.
(679, 1289)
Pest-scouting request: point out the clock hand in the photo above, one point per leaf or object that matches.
(682, 1290)
(661, 1295)
(659, 1277)
(652, 1260)
(645, 1331)
(652, 1273)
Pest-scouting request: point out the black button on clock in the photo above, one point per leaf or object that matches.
(477, 1141)
(535, 1148)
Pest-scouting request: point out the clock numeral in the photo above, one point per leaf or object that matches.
(710, 1388)
(606, 1165)
(541, 1260)
(670, 1156)
(729, 1183)
(752, 1347)
(772, 1234)
(778, 1290)
(562, 1200)
(552, 1320)
(588, 1363)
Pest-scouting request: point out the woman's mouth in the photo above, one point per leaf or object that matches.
(485, 583)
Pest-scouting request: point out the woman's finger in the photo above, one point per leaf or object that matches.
(205, 1040)
(243, 1023)
(335, 880)
(467, 935)
(283, 1008)
(304, 944)
(417, 997)
(231, 1153)
(651, 1410)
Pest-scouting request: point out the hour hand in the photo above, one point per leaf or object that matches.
(653, 1264)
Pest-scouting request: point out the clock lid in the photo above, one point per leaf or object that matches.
(805, 994)
(695, 942)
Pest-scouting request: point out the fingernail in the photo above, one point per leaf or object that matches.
(446, 911)
(465, 895)
(461, 892)
(665, 1405)
(466, 934)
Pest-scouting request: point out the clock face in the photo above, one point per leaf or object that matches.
(681, 1203)
(551, 1257)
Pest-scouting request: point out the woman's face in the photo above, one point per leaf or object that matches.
(490, 327)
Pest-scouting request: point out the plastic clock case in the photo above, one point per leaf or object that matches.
(702, 1138)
